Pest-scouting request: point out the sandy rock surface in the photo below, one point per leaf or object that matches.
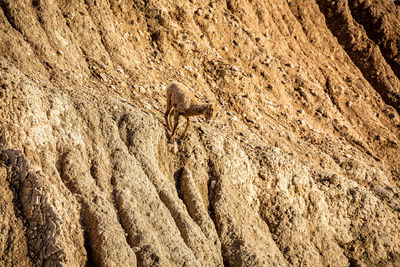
(301, 167)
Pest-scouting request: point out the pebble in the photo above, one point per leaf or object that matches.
(334, 179)
(267, 61)
(120, 70)
(175, 148)
(262, 175)
(199, 12)
(142, 89)
(290, 65)
(382, 192)
(213, 183)
(101, 65)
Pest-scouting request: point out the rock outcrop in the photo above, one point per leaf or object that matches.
(300, 167)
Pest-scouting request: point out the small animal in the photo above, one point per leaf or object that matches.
(182, 102)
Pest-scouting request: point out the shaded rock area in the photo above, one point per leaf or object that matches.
(301, 166)
(42, 224)
(365, 35)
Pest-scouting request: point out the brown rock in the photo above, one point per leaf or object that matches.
(87, 176)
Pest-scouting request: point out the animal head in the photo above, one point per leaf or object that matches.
(210, 112)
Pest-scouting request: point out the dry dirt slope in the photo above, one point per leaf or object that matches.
(301, 167)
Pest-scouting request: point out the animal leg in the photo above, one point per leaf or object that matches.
(187, 128)
(167, 112)
(169, 118)
(176, 121)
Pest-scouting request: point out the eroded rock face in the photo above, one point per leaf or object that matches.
(42, 223)
(300, 167)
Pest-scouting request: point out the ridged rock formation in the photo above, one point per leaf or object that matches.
(301, 167)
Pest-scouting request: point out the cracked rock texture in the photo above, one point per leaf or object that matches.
(301, 167)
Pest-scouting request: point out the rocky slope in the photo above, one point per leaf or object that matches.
(300, 167)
